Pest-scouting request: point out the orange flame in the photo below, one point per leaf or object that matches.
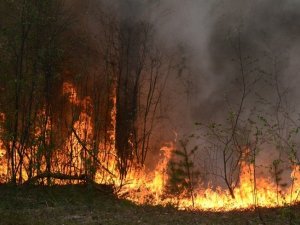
(148, 187)
(247, 195)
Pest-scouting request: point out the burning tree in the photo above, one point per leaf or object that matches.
(62, 116)
(28, 81)
(139, 79)
(76, 107)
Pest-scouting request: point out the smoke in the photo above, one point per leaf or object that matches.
(209, 38)
(268, 31)
(205, 35)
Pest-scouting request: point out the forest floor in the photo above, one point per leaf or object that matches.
(66, 205)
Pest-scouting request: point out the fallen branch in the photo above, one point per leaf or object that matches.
(59, 176)
(108, 188)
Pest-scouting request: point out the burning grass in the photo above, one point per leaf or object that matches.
(36, 205)
(82, 159)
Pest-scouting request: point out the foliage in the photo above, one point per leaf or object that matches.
(183, 176)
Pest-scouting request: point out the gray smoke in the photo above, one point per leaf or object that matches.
(208, 37)
(267, 30)
(207, 34)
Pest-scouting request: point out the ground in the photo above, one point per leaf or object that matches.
(70, 205)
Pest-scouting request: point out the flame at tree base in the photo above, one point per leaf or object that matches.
(149, 188)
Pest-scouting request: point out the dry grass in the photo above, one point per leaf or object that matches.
(83, 205)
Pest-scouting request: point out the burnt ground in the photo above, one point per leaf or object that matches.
(66, 205)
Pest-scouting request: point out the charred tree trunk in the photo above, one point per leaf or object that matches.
(126, 94)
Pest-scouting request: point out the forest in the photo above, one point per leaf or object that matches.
(193, 106)
(66, 105)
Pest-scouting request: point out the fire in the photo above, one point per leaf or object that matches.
(248, 194)
(3, 169)
(149, 187)
(70, 91)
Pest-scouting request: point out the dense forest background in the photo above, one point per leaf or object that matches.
(72, 99)
(85, 83)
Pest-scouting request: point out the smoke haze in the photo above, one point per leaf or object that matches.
(208, 35)
(210, 29)
(208, 38)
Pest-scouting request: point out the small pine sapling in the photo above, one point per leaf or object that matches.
(182, 173)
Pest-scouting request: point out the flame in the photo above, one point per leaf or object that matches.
(149, 187)
(3, 168)
(70, 91)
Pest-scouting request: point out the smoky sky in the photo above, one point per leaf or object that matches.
(208, 33)
(267, 31)
(208, 37)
